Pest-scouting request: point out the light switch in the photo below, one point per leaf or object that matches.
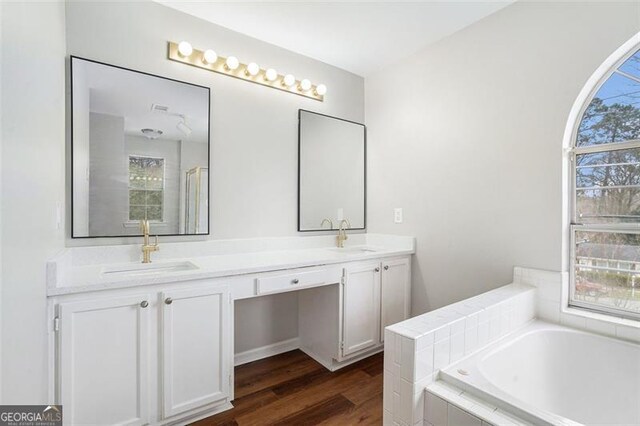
(397, 215)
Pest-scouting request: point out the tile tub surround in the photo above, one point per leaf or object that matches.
(416, 349)
(79, 269)
(552, 306)
(446, 405)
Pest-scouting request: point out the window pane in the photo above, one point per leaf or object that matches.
(136, 212)
(146, 187)
(607, 269)
(632, 65)
(154, 213)
(608, 186)
(613, 114)
(137, 197)
(154, 198)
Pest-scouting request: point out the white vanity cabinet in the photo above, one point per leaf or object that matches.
(104, 348)
(374, 296)
(144, 358)
(361, 307)
(196, 330)
(340, 325)
(395, 292)
(162, 353)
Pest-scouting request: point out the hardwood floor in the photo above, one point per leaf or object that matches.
(293, 389)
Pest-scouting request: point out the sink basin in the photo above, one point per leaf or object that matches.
(355, 250)
(148, 268)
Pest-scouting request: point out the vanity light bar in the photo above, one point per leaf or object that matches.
(208, 59)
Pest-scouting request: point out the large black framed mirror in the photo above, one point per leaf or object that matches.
(139, 150)
(332, 157)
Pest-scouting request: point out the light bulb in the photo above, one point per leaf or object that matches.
(271, 74)
(185, 49)
(252, 69)
(288, 80)
(232, 63)
(321, 89)
(209, 57)
(305, 85)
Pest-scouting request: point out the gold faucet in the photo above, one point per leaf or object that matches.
(329, 221)
(342, 232)
(146, 247)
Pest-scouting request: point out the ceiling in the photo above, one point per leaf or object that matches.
(130, 95)
(357, 36)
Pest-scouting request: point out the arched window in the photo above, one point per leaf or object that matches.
(605, 170)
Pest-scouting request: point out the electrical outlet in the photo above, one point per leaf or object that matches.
(397, 215)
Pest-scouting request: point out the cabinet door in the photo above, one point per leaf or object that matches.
(395, 288)
(104, 357)
(196, 348)
(360, 307)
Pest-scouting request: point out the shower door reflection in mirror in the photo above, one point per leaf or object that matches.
(140, 150)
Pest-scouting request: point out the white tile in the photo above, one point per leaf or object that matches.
(441, 354)
(549, 311)
(418, 406)
(458, 417)
(494, 328)
(471, 320)
(442, 333)
(424, 364)
(425, 340)
(483, 333)
(387, 418)
(549, 290)
(387, 390)
(470, 340)
(573, 321)
(408, 355)
(457, 326)
(505, 322)
(396, 407)
(435, 410)
(406, 402)
(628, 333)
(600, 327)
(397, 350)
(456, 347)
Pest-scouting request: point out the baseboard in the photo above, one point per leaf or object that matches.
(266, 351)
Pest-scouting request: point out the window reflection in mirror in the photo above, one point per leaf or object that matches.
(140, 150)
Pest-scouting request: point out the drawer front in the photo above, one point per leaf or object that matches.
(296, 279)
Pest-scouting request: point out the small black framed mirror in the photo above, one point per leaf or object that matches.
(332, 157)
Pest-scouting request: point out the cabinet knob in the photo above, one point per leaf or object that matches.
(144, 304)
(386, 267)
(295, 281)
(377, 269)
(168, 301)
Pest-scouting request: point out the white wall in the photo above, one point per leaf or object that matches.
(466, 136)
(33, 162)
(253, 128)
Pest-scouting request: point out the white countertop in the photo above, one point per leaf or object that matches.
(75, 271)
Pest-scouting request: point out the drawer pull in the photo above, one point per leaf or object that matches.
(295, 281)
(144, 304)
(377, 269)
(386, 267)
(168, 301)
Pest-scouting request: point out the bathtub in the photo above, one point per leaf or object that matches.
(549, 374)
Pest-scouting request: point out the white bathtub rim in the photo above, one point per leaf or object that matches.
(484, 389)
